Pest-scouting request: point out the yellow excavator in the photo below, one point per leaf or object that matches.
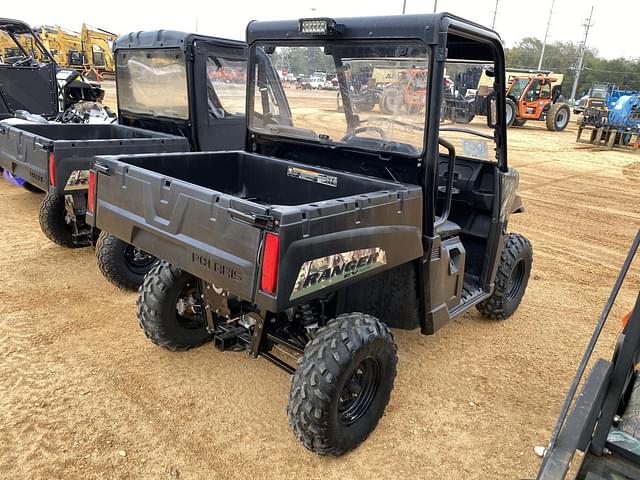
(88, 51)
(97, 49)
(64, 45)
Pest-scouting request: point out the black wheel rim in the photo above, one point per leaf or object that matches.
(189, 308)
(359, 391)
(138, 261)
(515, 282)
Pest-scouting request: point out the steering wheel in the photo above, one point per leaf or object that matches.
(69, 115)
(355, 131)
(23, 60)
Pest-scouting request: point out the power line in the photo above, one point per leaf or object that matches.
(587, 25)
(546, 34)
(621, 72)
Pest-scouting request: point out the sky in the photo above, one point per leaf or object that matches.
(613, 32)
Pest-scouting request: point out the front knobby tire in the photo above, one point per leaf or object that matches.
(558, 117)
(511, 112)
(511, 280)
(163, 289)
(342, 384)
(53, 221)
(121, 263)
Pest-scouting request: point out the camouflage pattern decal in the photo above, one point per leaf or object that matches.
(510, 180)
(322, 272)
(78, 180)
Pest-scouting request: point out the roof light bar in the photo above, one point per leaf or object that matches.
(317, 26)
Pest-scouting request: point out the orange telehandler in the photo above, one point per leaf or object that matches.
(536, 98)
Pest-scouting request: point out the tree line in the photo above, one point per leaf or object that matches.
(560, 57)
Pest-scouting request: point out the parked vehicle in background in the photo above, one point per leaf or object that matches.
(604, 96)
(170, 99)
(31, 80)
(615, 127)
(536, 98)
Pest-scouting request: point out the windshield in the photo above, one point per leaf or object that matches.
(599, 90)
(153, 82)
(518, 86)
(369, 95)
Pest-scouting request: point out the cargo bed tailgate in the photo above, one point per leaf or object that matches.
(217, 240)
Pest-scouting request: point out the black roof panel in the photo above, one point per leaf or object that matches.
(424, 27)
(168, 39)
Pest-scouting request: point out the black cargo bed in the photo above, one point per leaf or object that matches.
(25, 150)
(207, 213)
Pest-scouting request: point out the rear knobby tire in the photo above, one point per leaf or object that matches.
(558, 117)
(118, 262)
(511, 280)
(158, 317)
(53, 221)
(353, 353)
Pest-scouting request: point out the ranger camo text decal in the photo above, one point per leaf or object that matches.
(322, 272)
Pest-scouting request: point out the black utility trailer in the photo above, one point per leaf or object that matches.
(603, 421)
(168, 101)
(331, 226)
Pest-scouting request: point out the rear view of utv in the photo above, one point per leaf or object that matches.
(331, 227)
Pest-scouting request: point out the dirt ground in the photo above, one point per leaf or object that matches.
(83, 394)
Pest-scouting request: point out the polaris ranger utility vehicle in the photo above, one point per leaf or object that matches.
(331, 226)
(603, 422)
(31, 80)
(169, 100)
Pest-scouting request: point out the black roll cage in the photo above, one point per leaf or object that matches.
(13, 27)
(435, 31)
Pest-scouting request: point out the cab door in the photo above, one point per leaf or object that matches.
(219, 87)
(535, 98)
(30, 88)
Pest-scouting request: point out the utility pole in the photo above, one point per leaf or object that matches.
(495, 13)
(580, 65)
(546, 34)
(404, 7)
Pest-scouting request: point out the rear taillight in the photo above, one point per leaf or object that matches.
(52, 169)
(626, 318)
(91, 200)
(270, 255)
